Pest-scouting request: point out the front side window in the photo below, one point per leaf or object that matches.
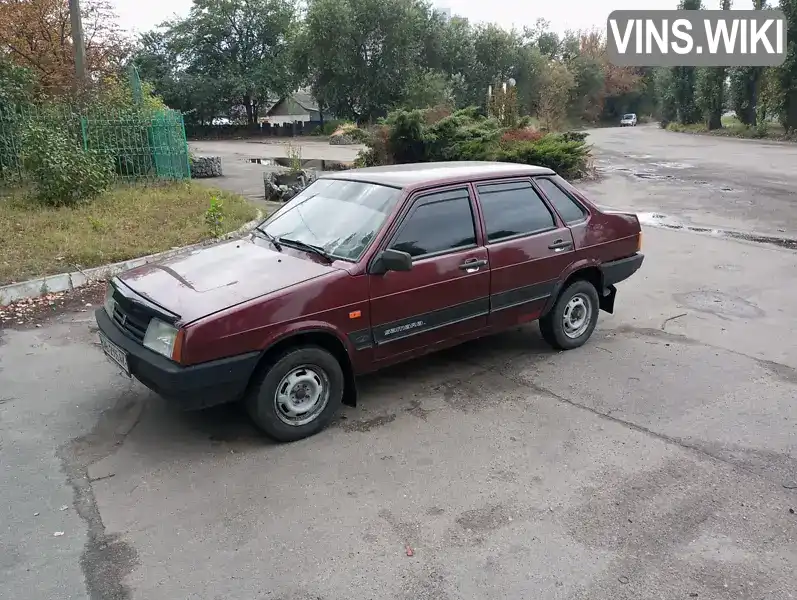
(342, 217)
(440, 222)
(513, 209)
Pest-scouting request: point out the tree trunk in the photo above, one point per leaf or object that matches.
(755, 81)
(714, 120)
(790, 119)
(248, 107)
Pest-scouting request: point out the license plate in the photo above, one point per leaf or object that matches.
(115, 354)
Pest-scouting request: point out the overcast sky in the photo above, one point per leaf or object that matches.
(141, 15)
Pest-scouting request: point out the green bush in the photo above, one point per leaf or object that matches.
(408, 138)
(328, 128)
(358, 135)
(465, 135)
(378, 149)
(567, 157)
(574, 136)
(63, 173)
(214, 217)
(525, 122)
(411, 136)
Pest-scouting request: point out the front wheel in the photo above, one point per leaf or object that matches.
(572, 319)
(298, 396)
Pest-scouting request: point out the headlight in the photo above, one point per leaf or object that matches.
(109, 303)
(160, 337)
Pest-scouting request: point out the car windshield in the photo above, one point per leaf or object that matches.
(629, 116)
(341, 217)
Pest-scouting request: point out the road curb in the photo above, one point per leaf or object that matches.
(64, 282)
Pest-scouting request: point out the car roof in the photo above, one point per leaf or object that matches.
(417, 174)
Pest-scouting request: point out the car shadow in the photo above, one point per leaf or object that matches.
(382, 395)
(229, 422)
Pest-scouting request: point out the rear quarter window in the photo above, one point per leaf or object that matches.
(570, 210)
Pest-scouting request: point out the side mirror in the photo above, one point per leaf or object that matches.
(392, 260)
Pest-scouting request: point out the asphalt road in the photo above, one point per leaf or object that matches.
(245, 162)
(709, 181)
(659, 461)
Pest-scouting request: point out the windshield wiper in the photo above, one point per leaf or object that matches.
(308, 247)
(270, 238)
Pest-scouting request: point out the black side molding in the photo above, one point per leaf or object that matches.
(619, 270)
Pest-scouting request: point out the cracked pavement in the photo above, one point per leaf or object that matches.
(658, 461)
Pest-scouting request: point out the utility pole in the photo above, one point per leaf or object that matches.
(77, 42)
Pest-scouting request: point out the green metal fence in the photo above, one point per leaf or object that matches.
(142, 144)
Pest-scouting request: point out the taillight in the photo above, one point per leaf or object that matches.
(639, 242)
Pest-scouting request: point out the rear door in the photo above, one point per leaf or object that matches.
(446, 294)
(528, 247)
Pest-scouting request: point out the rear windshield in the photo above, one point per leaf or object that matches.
(342, 217)
(629, 116)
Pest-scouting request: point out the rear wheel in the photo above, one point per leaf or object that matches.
(298, 396)
(572, 319)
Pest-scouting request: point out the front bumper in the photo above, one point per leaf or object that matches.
(192, 387)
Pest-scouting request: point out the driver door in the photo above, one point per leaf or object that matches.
(446, 293)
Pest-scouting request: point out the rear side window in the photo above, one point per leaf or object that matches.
(440, 222)
(513, 209)
(570, 211)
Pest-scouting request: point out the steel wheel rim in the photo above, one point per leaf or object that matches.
(577, 316)
(302, 395)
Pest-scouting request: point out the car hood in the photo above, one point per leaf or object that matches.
(201, 282)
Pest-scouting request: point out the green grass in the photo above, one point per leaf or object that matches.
(124, 223)
(732, 127)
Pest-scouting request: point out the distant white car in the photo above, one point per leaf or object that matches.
(629, 119)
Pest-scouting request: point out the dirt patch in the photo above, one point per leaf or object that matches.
(487, 518)
(35, 312)
(365, 425)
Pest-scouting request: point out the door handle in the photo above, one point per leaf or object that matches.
(560, 245)
(472, 265)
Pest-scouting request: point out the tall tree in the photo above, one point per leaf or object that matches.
(497, 54)
(362, 55)
(785, 76)
(37, 35)
(711, 90)
(557, 82)
(17, 85)
(665, 93)
(684, 80)
(618, 84)
(241, 47)
(745, 83)
(201, 96)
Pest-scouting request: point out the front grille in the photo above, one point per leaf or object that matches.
(131, 318)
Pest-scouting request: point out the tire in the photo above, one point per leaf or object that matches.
(310, 369)
(552, 325)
